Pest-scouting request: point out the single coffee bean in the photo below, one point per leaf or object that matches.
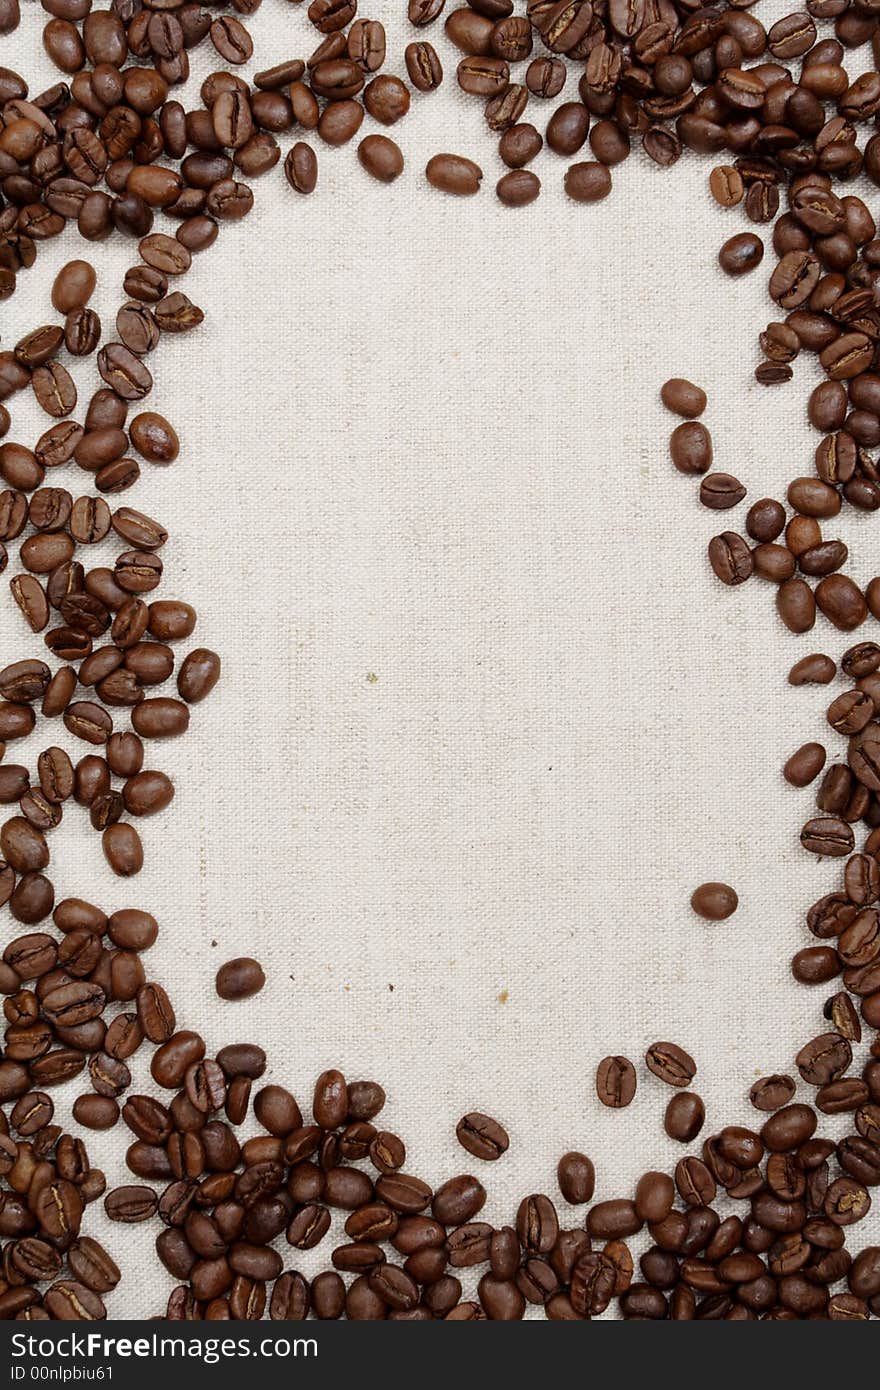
(381, 158)
(240, 978)
(714, 901)
(482, 1136)
(123, 849)
(720, 491)
(587, 182)
(685, 1117)
(301, 168)
(576, 1177)
(804, 765)
(615, 1082)
(730, 558)
(741, 253)
(690, 446)
(671, 1064)
(452, 173)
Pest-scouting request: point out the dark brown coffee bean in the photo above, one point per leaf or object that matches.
(690, 446)
(731, 560)
(615, 1082)
(685, 1116)
(452, 173)
(576, 1177)
(239, 979)
(301, 168)
(671, 1064)
(741, 253)
(714, 901)
(381, 158)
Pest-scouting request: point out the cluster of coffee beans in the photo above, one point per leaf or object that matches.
(49, 1183)
(407, 1247)
(109, 151)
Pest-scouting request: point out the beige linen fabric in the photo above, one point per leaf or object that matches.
(486, 718)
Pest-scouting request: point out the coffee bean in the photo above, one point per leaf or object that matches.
(301, 168)
(685, 1117)
(615, 1082)
(240, 978)
(720, 491)
(690, 446)
(74, 286)
(123, 849)
(576, 1177)
(714, 901)
(804, 766)
(381, 158)
(741, 253)
(452, 173)
(587, 182)
(730, 558)
(671, 1064)
(482, 1136)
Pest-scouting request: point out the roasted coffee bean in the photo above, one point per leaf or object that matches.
(482, 1136)
(690, 446)
(730, 558)
(240, 978)
(381, 158)
(576, 1177)
(720, 491)
(714, 901)
(451, 173)
(741, 253)
(685, 1116)
(615, 1082)
(670, 1063)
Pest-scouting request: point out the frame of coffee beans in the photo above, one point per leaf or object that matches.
(753, 1223)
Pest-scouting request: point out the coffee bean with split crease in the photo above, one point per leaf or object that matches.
(794, 279)
(155, 1013)
(89, 520)
(74, 1003)
(124, 372)
(92, 1265)
(670, 1063)
(145, 283)
(82, 332)
(131, 1204)
(205, 1085)
(730, 558)
(482, 1136)
(137, 327)
(615, 1082)
(54, 389)
(828, 835)
(88, 721)
(483, 76)
(720, 491)
(423, 66)
(823, 1059)
(301, 168)
(537, 1224)
(68, 1300)
(176, 313)
(59, 1209)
